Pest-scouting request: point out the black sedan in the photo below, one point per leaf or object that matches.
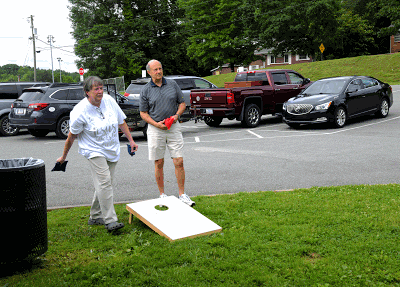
(334, 100)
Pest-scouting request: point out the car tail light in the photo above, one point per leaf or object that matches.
(230, 98)
(12, 106)
(126, 94)
(38, 106)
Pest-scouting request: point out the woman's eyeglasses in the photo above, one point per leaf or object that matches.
(101, 114)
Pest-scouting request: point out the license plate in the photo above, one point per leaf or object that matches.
(20, 111)
(209, 111)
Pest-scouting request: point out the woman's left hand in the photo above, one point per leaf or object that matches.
(134, 146)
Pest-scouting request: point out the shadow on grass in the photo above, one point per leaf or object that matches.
(21, 267)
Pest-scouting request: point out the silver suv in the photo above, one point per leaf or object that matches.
(186, 83)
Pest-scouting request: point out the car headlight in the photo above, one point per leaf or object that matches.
(323, 107)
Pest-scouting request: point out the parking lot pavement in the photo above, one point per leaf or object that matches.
(230, 159)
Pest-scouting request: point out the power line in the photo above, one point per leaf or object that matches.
(56, 47)
(27, 52)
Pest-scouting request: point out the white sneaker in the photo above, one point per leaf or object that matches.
(163, 195)
(186, 199)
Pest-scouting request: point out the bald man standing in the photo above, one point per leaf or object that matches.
(160, 99)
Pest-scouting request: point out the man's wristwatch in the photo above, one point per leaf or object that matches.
(179, 117)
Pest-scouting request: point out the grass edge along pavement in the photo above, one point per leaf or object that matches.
(321, 236)
(383, 67)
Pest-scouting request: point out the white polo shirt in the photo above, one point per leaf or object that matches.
(97, 128)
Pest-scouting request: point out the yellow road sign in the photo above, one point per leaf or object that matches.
(322, 48)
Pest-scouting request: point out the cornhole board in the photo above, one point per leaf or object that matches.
(177, 222)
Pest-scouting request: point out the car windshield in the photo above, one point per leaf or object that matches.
(326, 87)
(31, 96)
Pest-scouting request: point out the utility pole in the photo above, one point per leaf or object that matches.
(59, 63)
(50, 39)
(34, 49)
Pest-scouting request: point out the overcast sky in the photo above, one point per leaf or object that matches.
(50, 18)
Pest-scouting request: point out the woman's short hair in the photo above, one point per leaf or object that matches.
(90, 82)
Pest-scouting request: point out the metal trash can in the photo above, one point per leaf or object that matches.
(23, 209)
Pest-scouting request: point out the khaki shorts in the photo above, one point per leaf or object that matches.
(158, 140)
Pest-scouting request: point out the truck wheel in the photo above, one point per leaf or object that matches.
(62, 129)
(5, 128)
(212, 121)
(252, 116)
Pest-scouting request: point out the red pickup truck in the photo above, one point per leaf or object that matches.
(252, 94)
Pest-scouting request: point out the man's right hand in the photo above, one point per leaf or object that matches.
(161, 125)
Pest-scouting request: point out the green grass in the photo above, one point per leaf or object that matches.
(322, 236)
(382, 67)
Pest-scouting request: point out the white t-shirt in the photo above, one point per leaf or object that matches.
(97, 128)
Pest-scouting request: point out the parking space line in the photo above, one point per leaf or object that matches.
(363, 126)
(232, 151)
(253, 133)
(291, 135)
(194, 127)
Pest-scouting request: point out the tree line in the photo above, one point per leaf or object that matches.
(15, 73)
(118, 37)
(231, 30)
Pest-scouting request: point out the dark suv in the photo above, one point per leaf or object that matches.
(45, 109)
(8, 93)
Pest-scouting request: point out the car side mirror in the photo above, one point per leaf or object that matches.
(305, 81)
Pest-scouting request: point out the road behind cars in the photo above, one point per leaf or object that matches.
(231, 159)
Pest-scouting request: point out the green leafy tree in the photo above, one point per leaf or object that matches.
(15, 73)
(118, 37)
(9, 69)
(217, 34)
(294, 26)
(382, 18)
(96, 27)
(354, 36)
